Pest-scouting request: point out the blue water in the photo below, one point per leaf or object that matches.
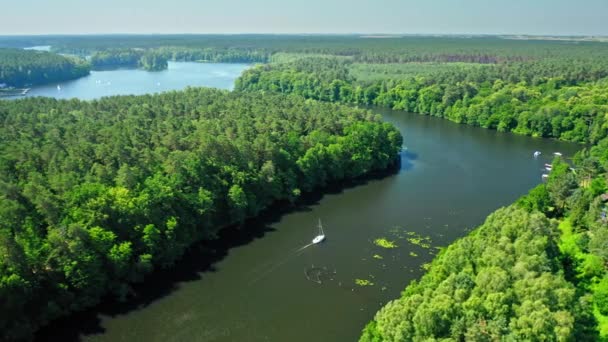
(178, 76)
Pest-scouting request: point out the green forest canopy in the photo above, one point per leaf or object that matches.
(94, 195)
(535, 270)
(19, 68)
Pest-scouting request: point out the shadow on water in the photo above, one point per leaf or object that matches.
(198, 260)
(406, 160)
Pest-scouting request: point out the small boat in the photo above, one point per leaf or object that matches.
(321, 235)
(58, 88)
(548, 168)
(536, 154)
(557, 154)
(545, 176)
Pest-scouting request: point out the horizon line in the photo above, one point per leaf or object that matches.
(304, 34)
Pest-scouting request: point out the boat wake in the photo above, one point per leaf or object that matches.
(272, 268)
(303, 248)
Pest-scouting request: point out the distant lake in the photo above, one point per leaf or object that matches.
(39, 48)
(178, 76)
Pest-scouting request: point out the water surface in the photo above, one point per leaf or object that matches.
(179, 75)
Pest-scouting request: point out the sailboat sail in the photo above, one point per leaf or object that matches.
(321, 235)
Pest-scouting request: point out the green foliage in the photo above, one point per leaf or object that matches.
(21, 68)
(94, 195)
(600, 296)
(537, 199)
(153, 62)
(115, 58)
(516, 277)
(561, 95)
(112, 58)
(500, 282)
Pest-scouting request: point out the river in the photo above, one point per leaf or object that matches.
(271, 288)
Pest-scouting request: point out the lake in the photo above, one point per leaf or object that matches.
(178, 75)
(272, 287)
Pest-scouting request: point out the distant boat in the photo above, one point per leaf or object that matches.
(321, 235)
(536, 154)
(557, 154)
(58, 87)
(545, 176)
(548, 168)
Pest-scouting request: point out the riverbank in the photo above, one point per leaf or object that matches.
(198, 260)
(9, 92)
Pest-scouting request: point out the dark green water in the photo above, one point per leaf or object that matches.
(451, 178)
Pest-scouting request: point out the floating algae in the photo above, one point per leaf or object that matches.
(419, 240)
(384, 243)
(363, 282)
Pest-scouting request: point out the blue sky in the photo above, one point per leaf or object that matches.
(557, 17)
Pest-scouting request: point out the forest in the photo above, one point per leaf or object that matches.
(156, 59)
(535, 270)
(21, 68)
(128, 58)
(550, 97)
(95, 195)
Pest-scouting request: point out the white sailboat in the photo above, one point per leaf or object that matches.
(321, 235)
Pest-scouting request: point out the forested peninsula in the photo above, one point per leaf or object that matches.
(24, 68)
(94, 195)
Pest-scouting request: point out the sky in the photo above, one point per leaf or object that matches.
(534, 17)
